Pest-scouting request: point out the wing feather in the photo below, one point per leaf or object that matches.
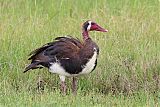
(61, 47)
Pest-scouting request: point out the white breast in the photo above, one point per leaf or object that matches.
(90, 64)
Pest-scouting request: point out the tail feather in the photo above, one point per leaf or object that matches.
(32, 66)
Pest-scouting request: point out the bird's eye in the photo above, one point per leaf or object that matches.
(93, 23)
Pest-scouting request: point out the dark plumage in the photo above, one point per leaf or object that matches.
(68, 56)
(70, 52)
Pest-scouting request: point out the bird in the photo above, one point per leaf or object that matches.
(68, 56)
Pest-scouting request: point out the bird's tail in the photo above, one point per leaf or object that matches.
(33, 65)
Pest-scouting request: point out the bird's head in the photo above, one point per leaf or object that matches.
(92, 26)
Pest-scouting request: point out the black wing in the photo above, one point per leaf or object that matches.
(62, 49)
(62, 46)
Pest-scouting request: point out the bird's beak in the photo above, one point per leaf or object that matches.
(96, 27)
(100, 29)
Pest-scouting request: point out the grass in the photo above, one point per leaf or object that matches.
(128, 71)
(90, 99)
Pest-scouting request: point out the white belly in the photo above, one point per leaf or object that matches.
(90, 64)
(58, 69)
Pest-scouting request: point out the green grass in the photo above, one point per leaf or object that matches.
(128, 71)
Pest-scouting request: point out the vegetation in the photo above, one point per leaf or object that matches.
(128, 71)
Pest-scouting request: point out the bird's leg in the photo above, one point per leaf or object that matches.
(63, 85)
(74, 85)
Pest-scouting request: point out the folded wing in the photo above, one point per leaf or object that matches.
(61, 49)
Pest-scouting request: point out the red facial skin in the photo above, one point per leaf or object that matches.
(96, 27)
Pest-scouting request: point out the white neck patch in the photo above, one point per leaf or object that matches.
(89, 26)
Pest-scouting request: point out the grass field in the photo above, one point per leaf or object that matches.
(128, 71)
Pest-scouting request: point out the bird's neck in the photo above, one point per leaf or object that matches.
(85, 35)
